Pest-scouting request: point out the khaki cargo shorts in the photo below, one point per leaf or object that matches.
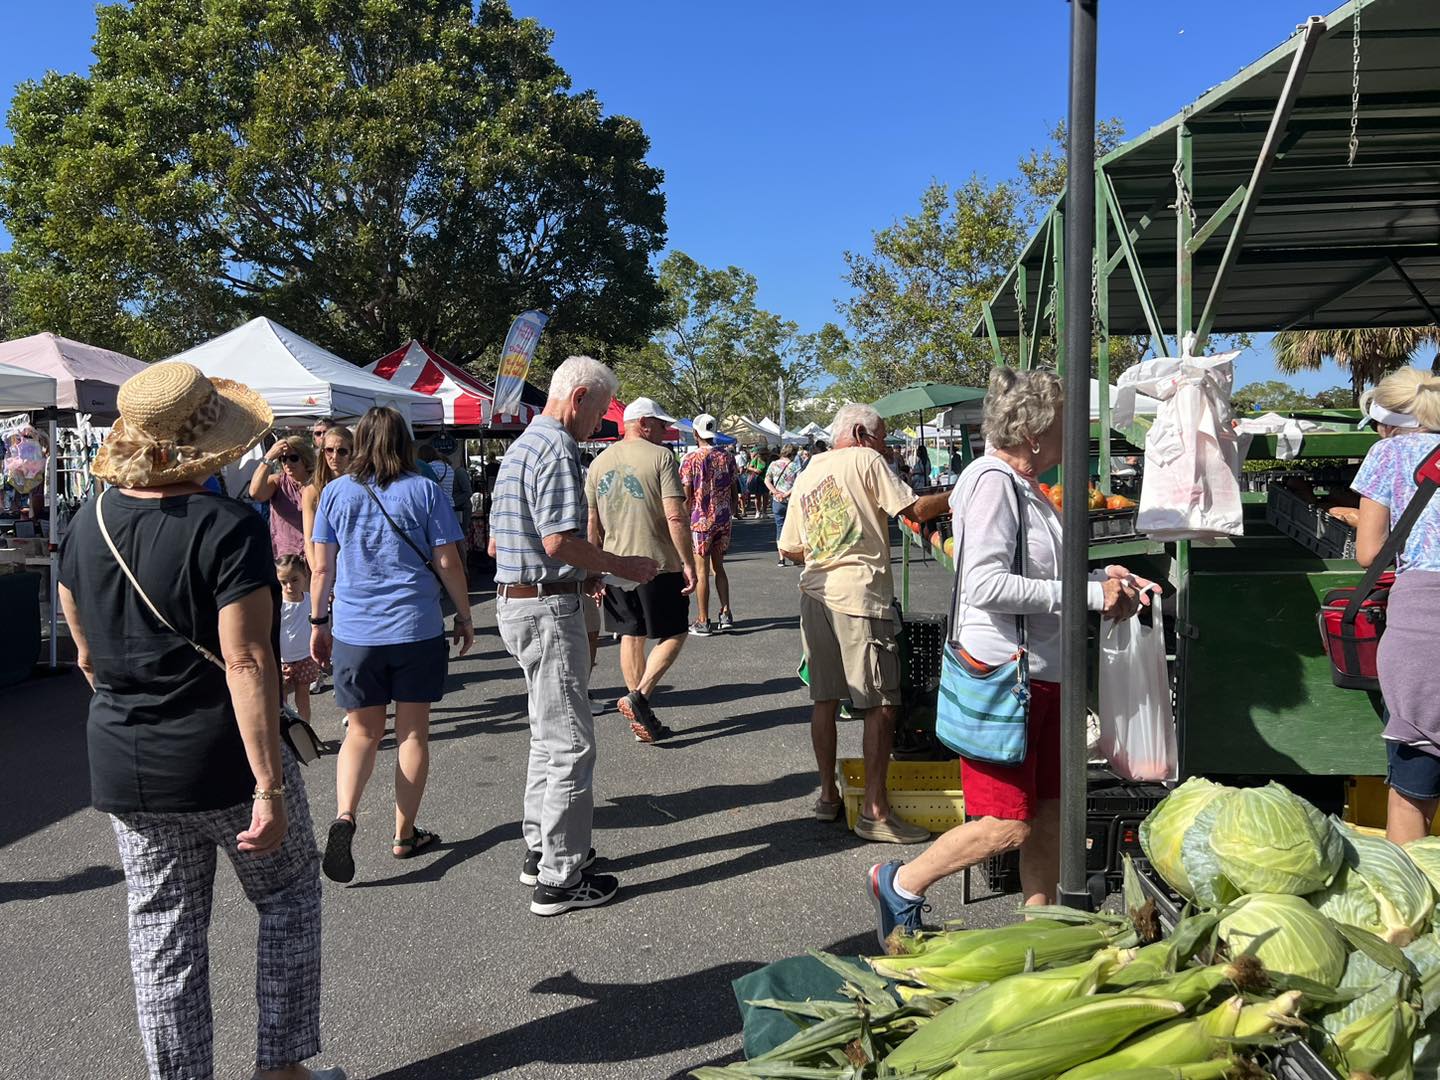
(851, 656)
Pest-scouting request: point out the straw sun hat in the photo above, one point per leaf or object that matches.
(176, 424)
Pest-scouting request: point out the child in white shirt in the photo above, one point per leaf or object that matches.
(296, 664)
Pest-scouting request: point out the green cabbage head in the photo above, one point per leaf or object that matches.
(1287, 935)
(1377, 889)
(1269, 840)
(1425, 854)
(1162, 833)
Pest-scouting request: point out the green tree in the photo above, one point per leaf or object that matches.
(1336, 397)
(717, 350)
(1043, 169)
(1367, 354)
(1270, 395)
(362, 170)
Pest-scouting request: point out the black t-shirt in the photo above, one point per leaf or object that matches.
(162, 731)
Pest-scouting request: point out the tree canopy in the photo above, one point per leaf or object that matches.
(1368, 354)
(717, 350)
(361, 170)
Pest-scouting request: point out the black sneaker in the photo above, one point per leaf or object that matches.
(339, 862)
(643, 722)
(591, 890)
(530, 872)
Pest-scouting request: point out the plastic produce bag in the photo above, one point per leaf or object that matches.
(1191, 489)
(1137, 723)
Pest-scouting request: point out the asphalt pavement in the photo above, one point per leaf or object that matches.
(434, 968)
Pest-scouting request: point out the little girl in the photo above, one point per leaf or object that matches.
(295, 662)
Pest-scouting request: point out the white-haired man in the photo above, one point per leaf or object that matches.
(838, 526)
(543, 562)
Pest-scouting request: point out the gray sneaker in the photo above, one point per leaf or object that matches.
(700, 629)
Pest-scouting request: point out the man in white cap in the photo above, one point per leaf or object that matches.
(710, 476)
(637, 508)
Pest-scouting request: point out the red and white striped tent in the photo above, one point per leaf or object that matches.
(468, 401)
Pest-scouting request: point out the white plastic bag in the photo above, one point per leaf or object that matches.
(1191, 489)
(1137, 724)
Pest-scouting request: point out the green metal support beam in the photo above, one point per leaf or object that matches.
(1228, 207)
(1137, 273)
(1370, 273)
(1040, 298)
(1184, 223)
(1057, 253)
(1022, 279)
(1102, 329)
(1146, 220)
(993, 334)
(1299, 65)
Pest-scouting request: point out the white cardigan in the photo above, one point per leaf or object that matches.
(983, 507)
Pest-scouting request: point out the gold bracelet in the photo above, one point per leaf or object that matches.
(267, 794)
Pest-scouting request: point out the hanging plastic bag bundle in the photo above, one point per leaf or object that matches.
(1191, 489)
(1137, 723)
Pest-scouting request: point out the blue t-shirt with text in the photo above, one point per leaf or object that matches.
(384, 594)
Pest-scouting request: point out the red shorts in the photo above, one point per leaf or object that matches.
(1010, 792)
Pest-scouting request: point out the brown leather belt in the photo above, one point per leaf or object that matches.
(544, 588)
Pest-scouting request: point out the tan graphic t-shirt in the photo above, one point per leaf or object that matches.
(628, 484)
(839, 516)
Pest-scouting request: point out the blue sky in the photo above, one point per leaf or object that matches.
(789, 131)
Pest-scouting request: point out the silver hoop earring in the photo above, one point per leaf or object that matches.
(1035, 448)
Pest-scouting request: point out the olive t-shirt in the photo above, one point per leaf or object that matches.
(162, 732)
(628, 484)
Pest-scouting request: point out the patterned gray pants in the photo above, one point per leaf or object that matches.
(169, 861)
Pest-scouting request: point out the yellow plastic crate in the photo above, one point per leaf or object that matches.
(924, 793)
(1366, 799)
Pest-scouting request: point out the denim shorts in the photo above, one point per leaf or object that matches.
(1413, 772)
(369, 675)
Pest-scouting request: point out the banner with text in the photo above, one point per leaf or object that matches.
(515, 360)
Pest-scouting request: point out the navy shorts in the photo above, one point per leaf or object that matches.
(368, 675)
(1413, 772)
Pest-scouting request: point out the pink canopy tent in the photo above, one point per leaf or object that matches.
(87, 377)
(468, 401)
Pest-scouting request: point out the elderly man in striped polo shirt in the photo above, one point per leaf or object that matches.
(543, 564)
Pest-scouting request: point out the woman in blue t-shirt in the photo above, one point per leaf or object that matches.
(1406, 408)
(385, 537)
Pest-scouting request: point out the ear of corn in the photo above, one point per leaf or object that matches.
(1201, 1070)
(1176, 1043)
(996, 957)
(1265, 1016)
(999, 1005)
(1061, 1038)
(1380, 1045)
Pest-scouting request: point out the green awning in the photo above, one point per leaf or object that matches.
(925, 397)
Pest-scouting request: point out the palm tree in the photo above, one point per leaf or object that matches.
(1369, 354)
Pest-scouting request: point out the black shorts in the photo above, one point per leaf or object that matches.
(370, 675)
(655, 610)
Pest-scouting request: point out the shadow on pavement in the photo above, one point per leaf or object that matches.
(719, 729)
(92, 877)
(643, 811)
(42, 740)
(452, 855)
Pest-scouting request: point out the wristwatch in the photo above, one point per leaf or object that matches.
(320, 621)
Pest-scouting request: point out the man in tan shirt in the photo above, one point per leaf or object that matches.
(838, 525)
(637, 507)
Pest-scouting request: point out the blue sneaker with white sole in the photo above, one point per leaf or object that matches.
(892, 909)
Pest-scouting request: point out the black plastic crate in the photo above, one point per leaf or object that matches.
(1123, 798)
(922, 645)
(1112, 524)
(1308, 524)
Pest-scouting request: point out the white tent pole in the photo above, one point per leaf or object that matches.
(52, 485)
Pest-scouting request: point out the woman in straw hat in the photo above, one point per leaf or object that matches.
(158, 576)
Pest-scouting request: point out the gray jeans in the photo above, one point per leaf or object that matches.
(547, 636)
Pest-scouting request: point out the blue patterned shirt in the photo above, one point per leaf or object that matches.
(538, 493)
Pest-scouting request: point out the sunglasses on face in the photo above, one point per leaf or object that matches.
(289, 459)
(336, 451)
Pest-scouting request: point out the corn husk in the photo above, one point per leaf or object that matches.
(1381, 1045)
(997, 955)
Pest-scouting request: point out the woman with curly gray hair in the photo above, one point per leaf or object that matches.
(996, 503)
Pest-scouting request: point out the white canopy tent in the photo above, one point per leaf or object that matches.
(25, 391)
(302, 381)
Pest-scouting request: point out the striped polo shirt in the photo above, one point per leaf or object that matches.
(538, 493)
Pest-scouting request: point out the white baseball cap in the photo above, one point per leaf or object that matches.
(705, 426)
(643, 407)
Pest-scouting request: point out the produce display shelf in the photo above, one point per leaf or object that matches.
(924, 793)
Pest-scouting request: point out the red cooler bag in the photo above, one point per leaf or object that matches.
(1352, 638)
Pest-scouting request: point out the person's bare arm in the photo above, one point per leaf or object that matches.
(263, 483)
(253, 677)
(927, 507)
(569, 548)
(677, 519)
(322, 583)
(1370, 534)
(309, 501)
(77, 634)
(597, 528)
(446, 559)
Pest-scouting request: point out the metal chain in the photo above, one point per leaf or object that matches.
(1095, 271)
(1020, 303)
(1183, 203)
(1050, 313)
(1354, 87)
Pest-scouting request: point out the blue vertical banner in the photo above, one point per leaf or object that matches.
(515, 359)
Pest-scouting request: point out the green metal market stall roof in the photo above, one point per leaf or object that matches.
(1323, 247)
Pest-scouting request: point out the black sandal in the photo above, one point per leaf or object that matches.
(420, 841)
(339, 863)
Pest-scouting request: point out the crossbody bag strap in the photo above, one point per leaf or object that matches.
(429, 565)
(1017, 565)
(125, 569)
